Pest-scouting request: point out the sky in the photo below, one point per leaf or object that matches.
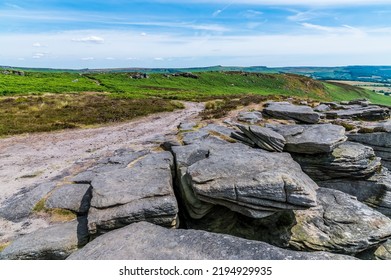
(173, 33)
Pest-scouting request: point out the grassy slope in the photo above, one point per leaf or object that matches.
(117, 97)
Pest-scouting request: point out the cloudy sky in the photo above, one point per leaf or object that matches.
(175, 33)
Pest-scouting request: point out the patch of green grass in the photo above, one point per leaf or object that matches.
(55, 215)
(29, 114)
(344, 92)
(3, 246)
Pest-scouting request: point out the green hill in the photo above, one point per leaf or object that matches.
(198, 86)
(45, 101)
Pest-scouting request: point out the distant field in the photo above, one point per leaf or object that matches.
(381, 88)
(44, 101)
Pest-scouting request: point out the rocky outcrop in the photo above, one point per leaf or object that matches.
(144, 241)
(142, 191)
(286, 110)
(261, 137)
(53, 243)
(348, 160)
(375, 191)
(377, 136)
(360, 112)
(253, 182)
(339, 224)
(311, 139)
(250, 117)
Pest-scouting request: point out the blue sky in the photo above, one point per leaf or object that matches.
(173, 33)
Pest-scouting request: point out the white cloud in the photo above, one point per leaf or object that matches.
(143, 34)
(90, 39)
(158, 59)
(216, 13)
(87, 58)
(38, 55)
(14, 6)
(110, 58)
(303, 16)
(299, 2)
(252, 13)
(344, 29)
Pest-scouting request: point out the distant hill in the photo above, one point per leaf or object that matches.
(352, 73)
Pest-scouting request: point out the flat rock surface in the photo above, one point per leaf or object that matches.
(286, 110)
(56, 242)
(74, 197)
(253, 182)
(21, 205)
(141, 191)
(250, 117)
(144, 241)
(311, 139)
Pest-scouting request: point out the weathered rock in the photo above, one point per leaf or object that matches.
(286, 110)
(374, 191)
(187, 126)
(249, 181)
(348, 160)
(22, 204)
(384, 251)
(379, 141)
(264, 138)
(322, 108)
(141, 191)
(360, 112)
(144, 241)
(237, 135)
(75, 197)
(311, 139)
(120, 159)
(340, 224)
(53, 243)
(211, 133)
(250, 117)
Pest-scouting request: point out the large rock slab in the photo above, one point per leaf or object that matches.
(359, 112)
(340, 224)
(263, 137)
(348, 160)
(141, 191)
(380, 141)
(73, 197)
(286, 110)
(21, 205)
(53, 243)
(253, 182)
(311, 139)
(144, 241)
(250, 117)
(374, 191)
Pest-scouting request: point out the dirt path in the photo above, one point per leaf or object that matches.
(31, 159)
